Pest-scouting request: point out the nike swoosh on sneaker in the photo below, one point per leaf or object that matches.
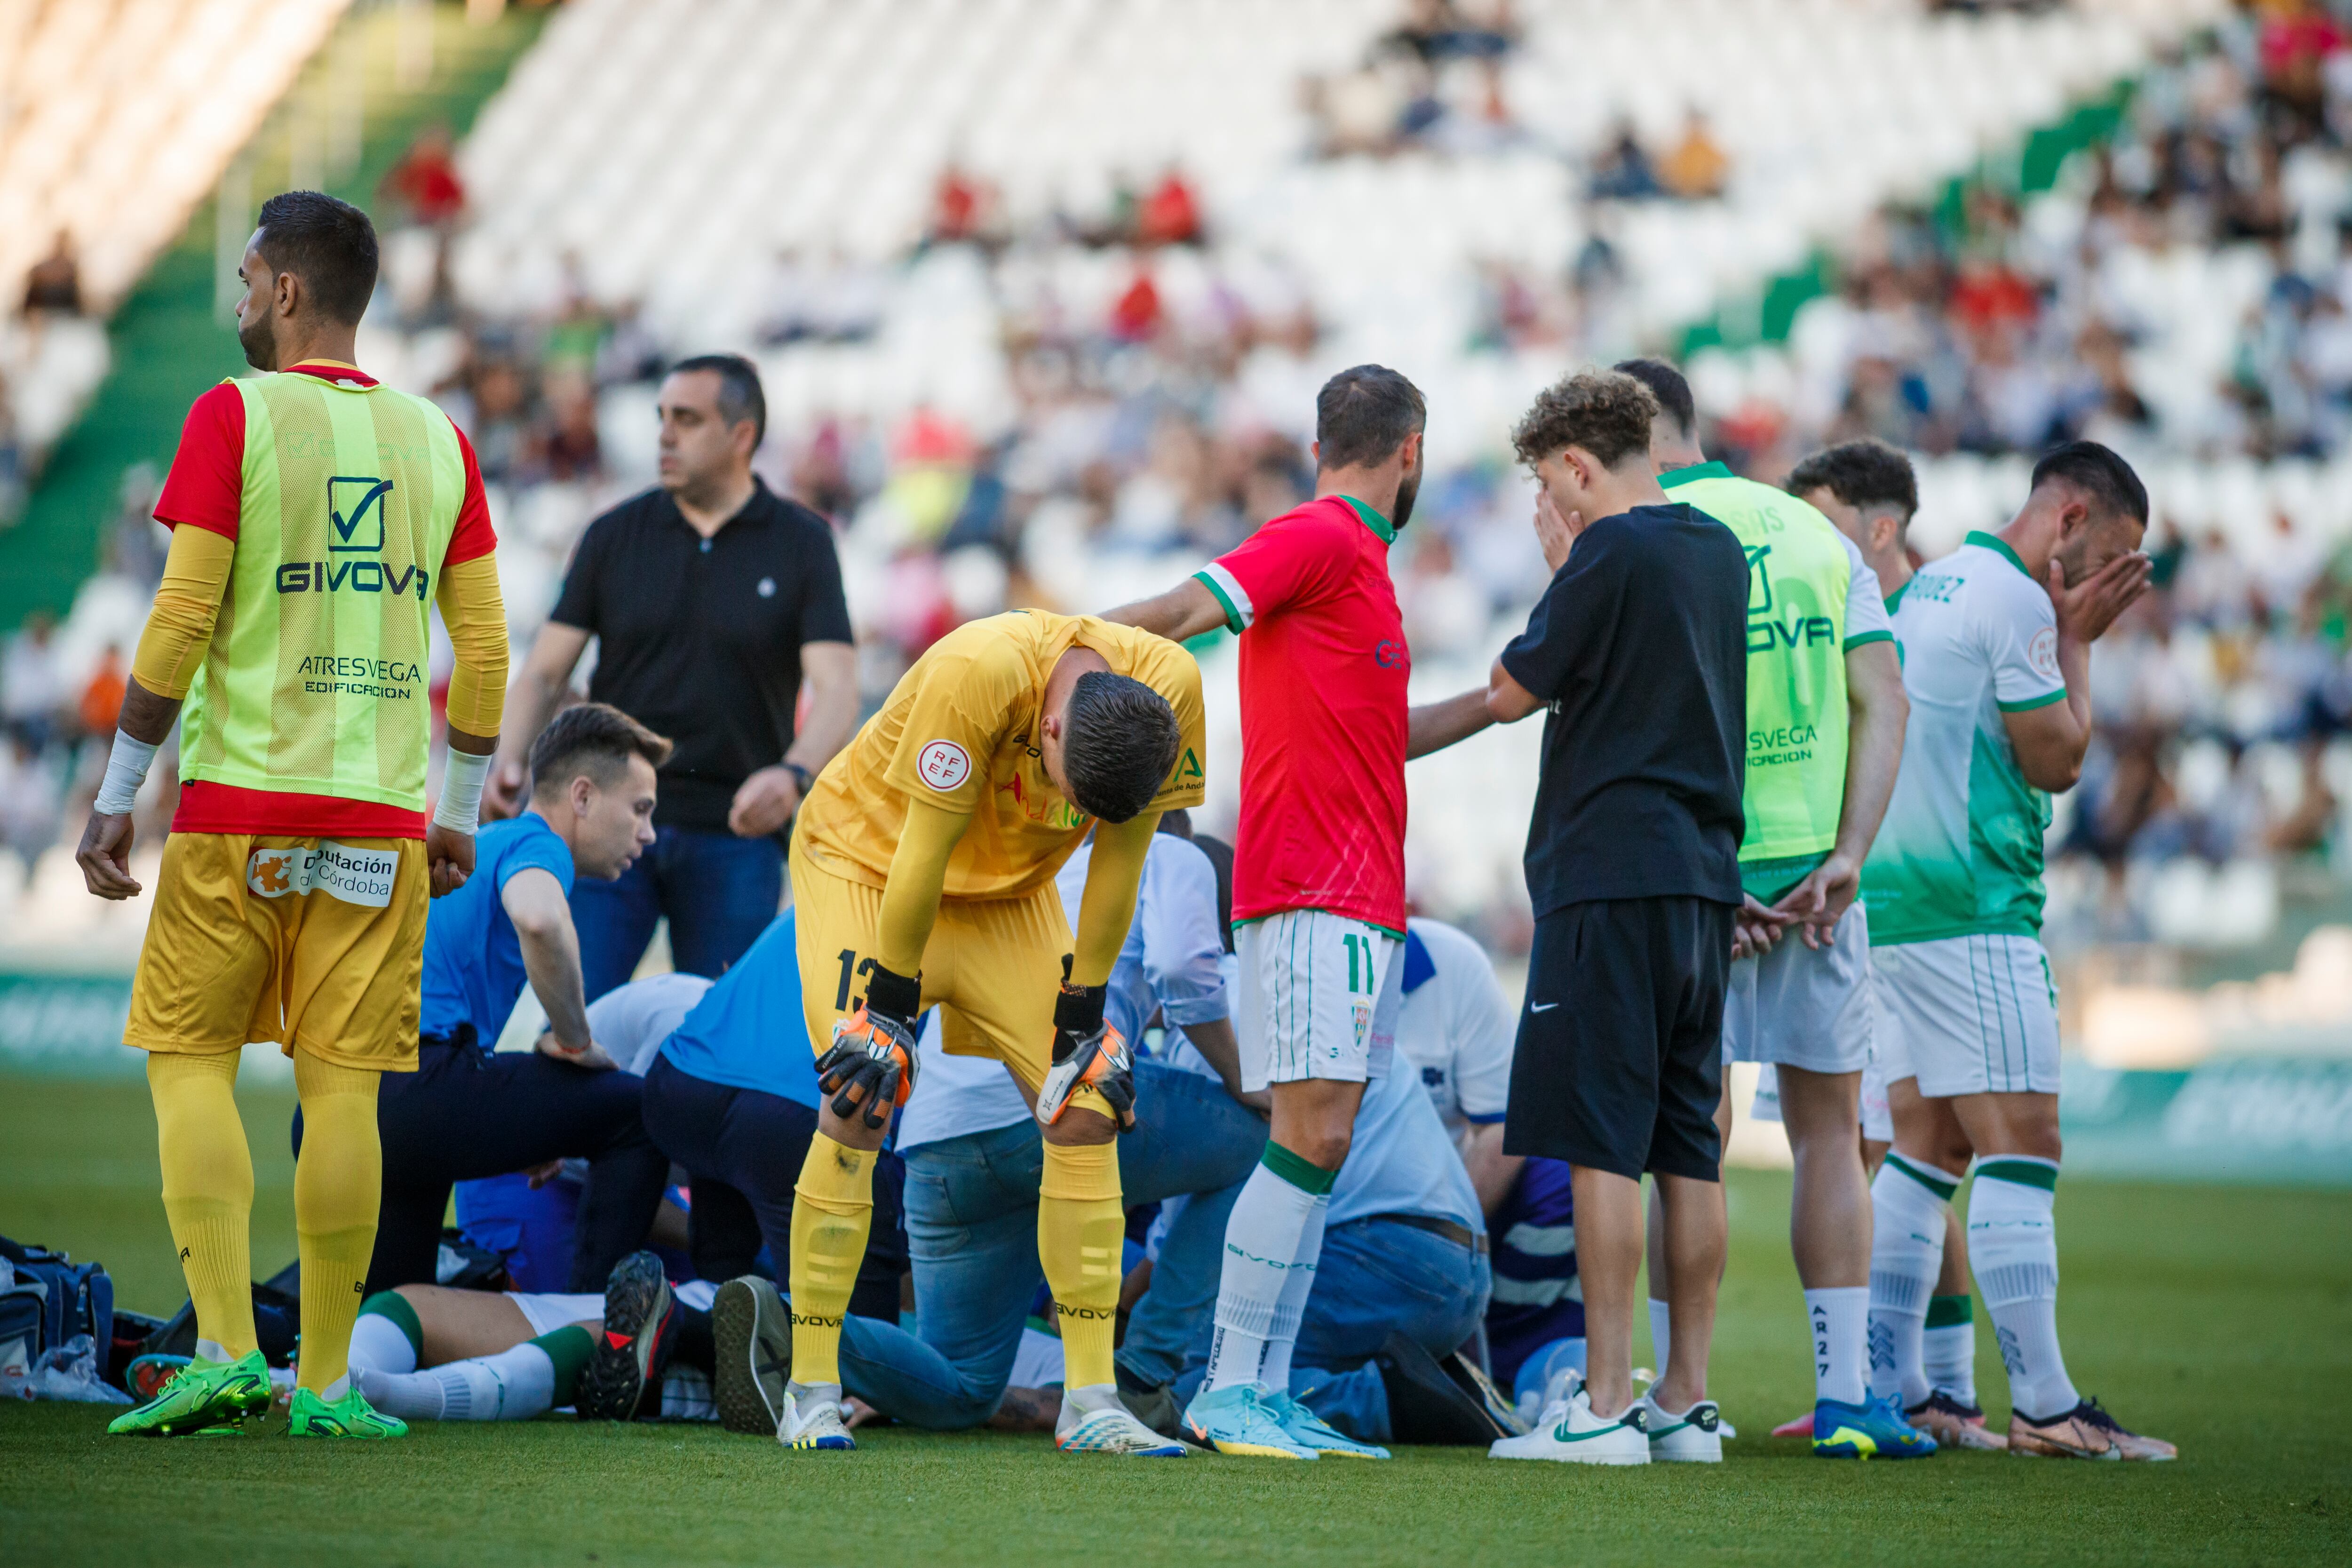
(1541, 1006)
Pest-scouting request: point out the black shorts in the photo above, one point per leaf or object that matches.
(1619, 1059)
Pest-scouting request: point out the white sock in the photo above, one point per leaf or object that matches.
(1660, 1333)
(2013, 1250)
(1948, 1347)
(1291, 1310)
(1908, 1201)
(212, 1350)
(1262, 1238)
(516, 1384)
(379, 1344)
(1840, 1320)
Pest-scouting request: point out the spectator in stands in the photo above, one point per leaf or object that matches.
(425, 181)
(102, 694)
(53, 284)
(712, 597)
(1171, 214)
(1623, 172)
(1698, 166)
(32, 686)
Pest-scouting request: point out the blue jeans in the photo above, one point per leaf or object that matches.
(972, 1235)
(719, 892)
(1376, 1277)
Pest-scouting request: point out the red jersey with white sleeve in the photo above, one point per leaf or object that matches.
(1323, 677)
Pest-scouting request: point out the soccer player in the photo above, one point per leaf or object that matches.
(1826, 716)
(1319, 893)
(316, 517)
(1867, 489)
(923, 871)
(1996, 659)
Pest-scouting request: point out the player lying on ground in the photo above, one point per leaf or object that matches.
(1826, 716)
(1319, 868)
(922, 869)
(470, 1111)
(316, 519)
(1997, 658)
(424, 1353)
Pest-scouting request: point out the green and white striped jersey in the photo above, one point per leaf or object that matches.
(1960, 851)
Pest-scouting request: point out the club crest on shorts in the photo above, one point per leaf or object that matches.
(943, 764)
(362, 877)
(1363, 1023)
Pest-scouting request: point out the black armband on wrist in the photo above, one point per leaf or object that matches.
(1078, 1010)
(893, 994)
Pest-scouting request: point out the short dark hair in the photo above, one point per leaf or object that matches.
(2099, 473)
(592, 738)
(1863, 473)
(740, 396)
(327, 243)
(1120, 744)
(1667, 385)
(1606, 412)
(1364, 414)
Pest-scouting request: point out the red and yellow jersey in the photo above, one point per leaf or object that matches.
(961, 730)
(345, 503)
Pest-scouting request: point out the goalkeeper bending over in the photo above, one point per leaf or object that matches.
(923, 867)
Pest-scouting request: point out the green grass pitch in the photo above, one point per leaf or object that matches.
(2218, 1318)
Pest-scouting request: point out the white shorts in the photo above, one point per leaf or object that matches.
(1319, 998)
(1967, 1014)
(548, 1311)
(1804, 1008)
(1877, 1120)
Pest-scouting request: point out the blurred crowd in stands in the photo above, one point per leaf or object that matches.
(1170, 412)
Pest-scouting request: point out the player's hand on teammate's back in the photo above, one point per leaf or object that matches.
(450, 855)
(1816, 904)
(591, 1056)
(763, 803)
(2085, 613)
(105, 856)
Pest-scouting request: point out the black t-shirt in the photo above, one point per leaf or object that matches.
(700, 639)
(1640, 647)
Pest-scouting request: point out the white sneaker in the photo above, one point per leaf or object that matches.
(1108, 1428)
(812, 1419)
(1571, 1434)
(1695, 1436)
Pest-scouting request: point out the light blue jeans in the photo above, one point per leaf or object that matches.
(971, 1236)
(1376, 1277)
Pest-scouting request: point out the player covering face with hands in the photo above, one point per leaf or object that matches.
(923, 869)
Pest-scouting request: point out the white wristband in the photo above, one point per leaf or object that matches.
(461, 792)
(126, 770)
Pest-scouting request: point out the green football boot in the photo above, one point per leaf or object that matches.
(307, 1416)
(203, 1396)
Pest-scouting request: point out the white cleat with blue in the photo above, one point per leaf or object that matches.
(1093, 1421)
(812, 1419)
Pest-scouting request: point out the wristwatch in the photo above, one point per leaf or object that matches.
(801, 777)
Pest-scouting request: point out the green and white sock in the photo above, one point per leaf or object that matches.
(386, 1336)
(2013, 1252)
(1949, 1346)
(1908, 1200)
(1263, 1241)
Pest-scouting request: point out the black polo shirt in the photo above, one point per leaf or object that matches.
(1640, 646)
(700, 638)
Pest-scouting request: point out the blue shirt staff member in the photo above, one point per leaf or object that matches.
(711, 599)
(466, 1112)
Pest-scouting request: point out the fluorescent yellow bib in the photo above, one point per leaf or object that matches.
(316, 680)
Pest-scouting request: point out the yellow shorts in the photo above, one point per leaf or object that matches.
(994, 969)
(310, 943)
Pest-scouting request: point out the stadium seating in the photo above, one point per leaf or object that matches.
(116, 120)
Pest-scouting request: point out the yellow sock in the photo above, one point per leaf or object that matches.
(833, 1207)
(338, 1184)
(207, 1190)
(1081, 1240)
